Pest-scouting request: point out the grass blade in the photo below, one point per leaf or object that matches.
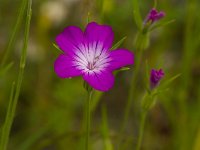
(14, 33)
(14, 97)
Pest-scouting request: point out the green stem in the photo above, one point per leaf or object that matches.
(15, 31)
(88, 119)
(105, 130)
(138, 54)
(141, 131)
(132, 88)
(15, 96)
(137, 15)
(146, 104)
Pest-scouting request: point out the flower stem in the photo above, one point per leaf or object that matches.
(141, 44)
(88, 120)
(15, 93)
(141, 131)
(130, 97)
(146, 103)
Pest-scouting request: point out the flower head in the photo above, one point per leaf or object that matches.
(88, 54)
(154, 16)
(155, 77)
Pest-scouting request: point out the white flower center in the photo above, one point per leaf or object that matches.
(92, 65)
(91, 58)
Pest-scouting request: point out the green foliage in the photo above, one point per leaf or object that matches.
(50, 110)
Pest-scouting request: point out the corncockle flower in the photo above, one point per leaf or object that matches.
(154, 16)
(88, 54)
(156, 76)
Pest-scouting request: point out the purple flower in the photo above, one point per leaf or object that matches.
(154, 15)
(88, 54)
(156, 76)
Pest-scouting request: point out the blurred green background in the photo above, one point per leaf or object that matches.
(50, 110)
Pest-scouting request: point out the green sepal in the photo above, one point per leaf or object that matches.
(56, 46)
(149, 100)
(121, 69)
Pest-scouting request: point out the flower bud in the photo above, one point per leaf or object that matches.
(155, 77)
(154, 16)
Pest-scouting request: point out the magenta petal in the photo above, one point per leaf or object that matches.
(102, 81)
(99, 33)
(160, 15)
(65, 67)
(121, 58)
(69, 39)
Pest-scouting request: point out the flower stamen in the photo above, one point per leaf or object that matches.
(92, 65)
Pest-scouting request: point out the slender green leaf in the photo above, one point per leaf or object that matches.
(163, 86)
(124, 69)
(172, 79)
(161, 24)
(118, 43)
